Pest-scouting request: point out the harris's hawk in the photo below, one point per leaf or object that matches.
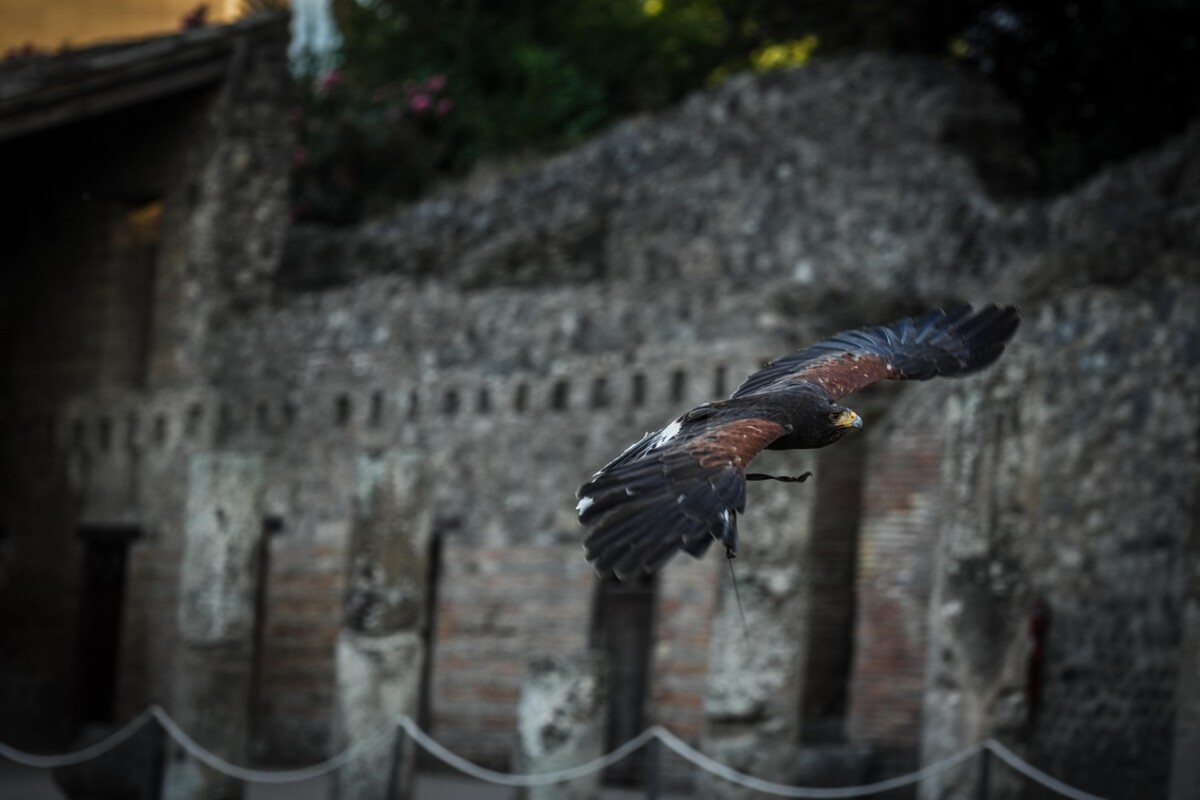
(681, 488)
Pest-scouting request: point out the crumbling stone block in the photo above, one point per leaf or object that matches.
(562, 718)
(381, 647)
(378, 679)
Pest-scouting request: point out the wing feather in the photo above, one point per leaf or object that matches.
(682, 493)
(948, 343)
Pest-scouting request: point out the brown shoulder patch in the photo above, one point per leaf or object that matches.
(734, 442)
(841, 374)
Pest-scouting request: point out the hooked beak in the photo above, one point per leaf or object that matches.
(848, 419)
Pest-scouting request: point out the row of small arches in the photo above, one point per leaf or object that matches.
(600, 393)
(448, 402)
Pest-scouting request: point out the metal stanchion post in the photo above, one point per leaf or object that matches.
(985, 764)
(653, 768)
(397, 763)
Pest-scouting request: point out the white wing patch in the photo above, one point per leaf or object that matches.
(584, 504)
(667, 434)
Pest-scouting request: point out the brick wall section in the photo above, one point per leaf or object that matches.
(687, 595)
(896, 553)
(304, 602)
(498, 609)
(686, 601)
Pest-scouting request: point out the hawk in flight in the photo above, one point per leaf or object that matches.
(682, 488)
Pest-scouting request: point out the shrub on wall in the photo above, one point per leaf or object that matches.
(1096, 81)
(360, 143)
(522, 76)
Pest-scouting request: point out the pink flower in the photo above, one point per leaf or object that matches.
(444, 106)
(419, 103)
(436, 83)
(330, 81)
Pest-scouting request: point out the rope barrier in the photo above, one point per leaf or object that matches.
(439, 751)
(266, 776)
(1028, 770)
(79, 756)
(783, 790)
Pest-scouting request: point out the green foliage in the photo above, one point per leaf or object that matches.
(360, 145)
(531, 74)
(1096, 79)
(525, 76)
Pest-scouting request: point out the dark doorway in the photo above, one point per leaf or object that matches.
(429, 624)
(623, 630)
(444, 525)
(272, 527)
(106, 552)
(833, 560)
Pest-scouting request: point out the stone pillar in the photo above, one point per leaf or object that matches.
(756, 675)
(381, 648)
(562, 718)
(222, 529)
(981, 606)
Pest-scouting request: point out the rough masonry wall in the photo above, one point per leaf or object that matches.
(1058, 614)
(518, 335)
(1069, 499)
(523, 332)
(852, 177)
(507, 453)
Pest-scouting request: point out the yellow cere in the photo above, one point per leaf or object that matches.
(847, 419)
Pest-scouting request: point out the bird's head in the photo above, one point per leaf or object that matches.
(817, 421)
(836, 421)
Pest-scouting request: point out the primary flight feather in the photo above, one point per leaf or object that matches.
(682, 488)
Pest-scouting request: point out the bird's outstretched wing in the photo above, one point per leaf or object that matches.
(680, 488)
(947, 343)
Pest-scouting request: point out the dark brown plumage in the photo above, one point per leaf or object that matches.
(681, 488)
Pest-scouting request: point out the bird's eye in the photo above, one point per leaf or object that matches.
(834, 416)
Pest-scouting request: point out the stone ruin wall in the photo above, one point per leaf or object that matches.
(609, 290)
(513, 584)
(1056, 506)
(620, 277)
(1069, 500)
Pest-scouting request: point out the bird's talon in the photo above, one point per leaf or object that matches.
(760, 476)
